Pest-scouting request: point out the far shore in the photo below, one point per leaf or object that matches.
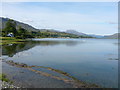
(13, 40)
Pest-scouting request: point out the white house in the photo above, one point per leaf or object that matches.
(10, 35)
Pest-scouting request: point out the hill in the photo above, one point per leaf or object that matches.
(114, 36)
(3, 22)
(83, 34)
(76, 32)
(33, 32)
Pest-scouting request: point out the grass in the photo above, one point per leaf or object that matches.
(10, 40)
(3, 77)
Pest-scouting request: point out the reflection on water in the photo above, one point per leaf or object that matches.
(12, 49)
(85, 59)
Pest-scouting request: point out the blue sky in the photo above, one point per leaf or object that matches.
(88, 17)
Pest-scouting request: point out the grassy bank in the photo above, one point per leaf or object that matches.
(5, 82)
(10, 40)
(3, 77)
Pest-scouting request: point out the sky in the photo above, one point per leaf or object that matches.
(99, 18)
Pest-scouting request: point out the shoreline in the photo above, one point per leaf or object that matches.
(72, 80)
(13, 40)
(10, 40)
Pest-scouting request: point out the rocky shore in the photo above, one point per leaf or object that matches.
(6, 85)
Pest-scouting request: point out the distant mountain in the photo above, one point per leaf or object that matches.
(83, 34)
(23, 25)
(50, 30)
(76, 32)
(116, 35)
(96, 36)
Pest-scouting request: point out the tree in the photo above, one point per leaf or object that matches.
(10, 27)
(22, 33)
(39, 33)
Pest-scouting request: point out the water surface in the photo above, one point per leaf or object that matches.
(89, 60)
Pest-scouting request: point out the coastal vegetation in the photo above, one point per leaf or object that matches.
(12, 33)
(5, 82)
(3, 77)
(18, 33)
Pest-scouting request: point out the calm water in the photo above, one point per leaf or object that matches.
(90, 60)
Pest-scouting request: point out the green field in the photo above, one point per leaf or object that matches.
(12, 40)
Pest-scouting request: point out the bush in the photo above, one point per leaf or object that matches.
(4, 78)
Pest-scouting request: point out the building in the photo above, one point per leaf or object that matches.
(10, 35)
